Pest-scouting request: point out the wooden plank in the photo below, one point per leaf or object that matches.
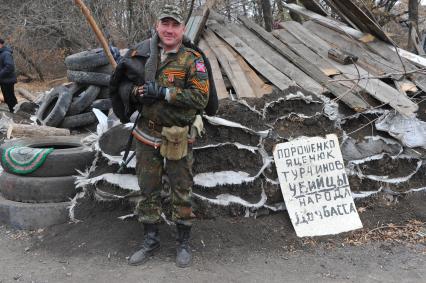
(314, 6)
(277, 78)
(303, 51)
(276, 60)
(312, 16)
(405, 86)
(348, 97)
(341, 57)
(384, 61)
(258, 85)
(196, 23)
(375, 87)
(217, 74)
(299, 48)
(230, 65)
(364, 22)
(368, 60)
(361, 36)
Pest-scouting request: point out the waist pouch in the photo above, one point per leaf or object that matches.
(174, 144)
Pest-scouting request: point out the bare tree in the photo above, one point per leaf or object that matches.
(267, 14)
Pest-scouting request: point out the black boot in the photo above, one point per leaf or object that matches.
(183, 250)
(150, 244)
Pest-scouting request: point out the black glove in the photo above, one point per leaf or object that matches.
(154, 91)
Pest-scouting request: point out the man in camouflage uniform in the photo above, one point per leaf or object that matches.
(179, 92)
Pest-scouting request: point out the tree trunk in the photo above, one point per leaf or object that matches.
(294, 16)
(244, 9)
(267, 14)
(130, 18)
(228, 9)
(280, 8)
(413, 19)
(30, 62)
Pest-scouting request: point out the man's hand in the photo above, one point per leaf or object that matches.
(153, 91)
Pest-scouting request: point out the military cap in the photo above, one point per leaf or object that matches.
(171, 11)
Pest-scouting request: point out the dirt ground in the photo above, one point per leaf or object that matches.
(227, 246)
(390, 248)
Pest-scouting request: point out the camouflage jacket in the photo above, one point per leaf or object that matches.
(185, 74)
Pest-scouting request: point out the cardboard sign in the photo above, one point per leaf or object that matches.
(315, 186)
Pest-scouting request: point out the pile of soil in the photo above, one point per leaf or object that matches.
(417, 181)
(295, 126)
(285, 107)
(220, 134)
(393, 168)
(225, 158)
(238, 112)
(353, 126)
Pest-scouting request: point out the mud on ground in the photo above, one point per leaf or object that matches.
(101, 232)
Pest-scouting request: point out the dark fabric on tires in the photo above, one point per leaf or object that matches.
(89, 78)
(79, 120)
(54, 107)
(68, 157)
(86, 60)
(129, 72)
(37, 189)
(102, 104)
(83, 100)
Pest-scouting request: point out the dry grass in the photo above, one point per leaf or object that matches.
(413, 232)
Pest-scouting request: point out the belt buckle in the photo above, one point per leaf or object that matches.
(151, 125)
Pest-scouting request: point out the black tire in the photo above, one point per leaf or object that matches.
(68, 157)
(83, 100)
(104, 93)
(88, 78)
(79, 120)
(54, 107)
(105, 69)
(37, 189)
(27, 107)
(102, 104)
(75, 89)
(86, 60)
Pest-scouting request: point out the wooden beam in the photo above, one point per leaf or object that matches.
(303, 51)
(361, 36)
(230, 65)
(196, 23)
(257, 84)
(367, 59)
(364, 22)
(217, 74)
(275, 59)
(277, 78)
(314, 6)
(375, 87)
(383, 61)
(341, 57)
(348, 97)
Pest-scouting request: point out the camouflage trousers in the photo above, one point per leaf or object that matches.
(150, 166)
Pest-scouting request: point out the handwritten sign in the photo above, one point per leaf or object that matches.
(315, 186)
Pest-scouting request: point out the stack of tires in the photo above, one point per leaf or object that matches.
(41, 198)
(70, 106)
